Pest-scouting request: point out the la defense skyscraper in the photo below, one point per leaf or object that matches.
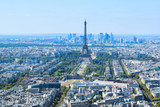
(85, 54)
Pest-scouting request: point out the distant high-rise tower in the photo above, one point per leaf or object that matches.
(107, 38)
(90, 38)
(121, 40)
(85, 52)
(101, 38)
(112, 38)
(135, 39)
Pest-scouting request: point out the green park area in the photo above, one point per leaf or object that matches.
(98, 65)
(69, 61)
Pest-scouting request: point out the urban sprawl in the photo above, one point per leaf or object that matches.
(43, 73)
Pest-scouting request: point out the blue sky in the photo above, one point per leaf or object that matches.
(67, 16)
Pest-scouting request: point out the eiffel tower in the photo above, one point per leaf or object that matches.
(85, 54)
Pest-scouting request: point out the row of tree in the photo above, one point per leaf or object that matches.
(98, 65)
(69, 62)
(60, 96)
(13, 82)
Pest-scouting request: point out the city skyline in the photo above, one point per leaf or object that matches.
(79, 53)
(119, 17)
